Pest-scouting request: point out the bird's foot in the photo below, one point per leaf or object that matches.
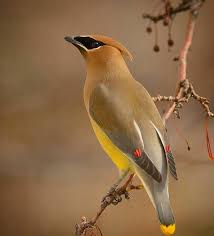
(114, 196)
(136, 187)
(86, 227)
(83, 226)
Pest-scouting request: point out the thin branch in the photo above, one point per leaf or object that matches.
(184, 6)
(185, 90)
(183, 62)
(204, 103)
(114, 198)
(189, 92)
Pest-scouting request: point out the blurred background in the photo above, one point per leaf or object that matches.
(52, 169)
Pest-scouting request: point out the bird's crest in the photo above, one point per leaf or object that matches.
(111, 42)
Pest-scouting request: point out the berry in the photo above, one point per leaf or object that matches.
(165, 22)
(156, 48)
(170, 42)
(176, 59)
(149, 30)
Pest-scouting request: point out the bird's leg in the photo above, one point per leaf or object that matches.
(112, 195)
(137, 187)
(123, 190)
(131, 186)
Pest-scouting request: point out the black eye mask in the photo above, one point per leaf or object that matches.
(88, 42)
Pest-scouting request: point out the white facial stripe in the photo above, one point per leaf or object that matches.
(81, 45)
(93, 49)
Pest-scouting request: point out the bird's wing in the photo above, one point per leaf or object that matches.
(115, 117)
(166, 147)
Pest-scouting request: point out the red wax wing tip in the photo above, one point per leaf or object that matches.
(167, 148)
(137, 152)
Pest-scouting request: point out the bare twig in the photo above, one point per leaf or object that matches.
(184, 6)
(185, 89)
(183, 63)
(90, 225)
(204, 102)
(188, 92)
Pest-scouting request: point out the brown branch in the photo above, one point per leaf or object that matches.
(86, 226)
(188, 92)
(160, 98)
(183, 63)
(184, 6)
(204, 103)
(184, 89)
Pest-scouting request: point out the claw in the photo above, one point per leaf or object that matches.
(114, 197)
(127, 196)
(117, 199)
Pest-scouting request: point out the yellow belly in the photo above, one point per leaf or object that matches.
(117, 156)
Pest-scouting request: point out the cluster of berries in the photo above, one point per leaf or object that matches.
(170, 41)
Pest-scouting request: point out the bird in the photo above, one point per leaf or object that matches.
(126, 121)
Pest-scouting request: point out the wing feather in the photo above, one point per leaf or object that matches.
(114, 116)
(170, 158)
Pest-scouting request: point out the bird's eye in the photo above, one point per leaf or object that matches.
(95, 44)
(88, 42)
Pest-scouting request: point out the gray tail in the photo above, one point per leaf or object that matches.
(165, 213)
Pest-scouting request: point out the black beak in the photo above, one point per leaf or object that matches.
(76, 43)
(71, 40)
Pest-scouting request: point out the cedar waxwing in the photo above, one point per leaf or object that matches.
(126, 121)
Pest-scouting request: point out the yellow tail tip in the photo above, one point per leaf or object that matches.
(167, 230)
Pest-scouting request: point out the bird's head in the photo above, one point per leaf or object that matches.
(98, 47)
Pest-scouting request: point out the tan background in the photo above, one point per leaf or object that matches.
(52, 169)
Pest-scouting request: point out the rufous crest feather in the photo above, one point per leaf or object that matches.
(111, 42)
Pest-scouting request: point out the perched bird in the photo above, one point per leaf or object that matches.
(126, 121)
